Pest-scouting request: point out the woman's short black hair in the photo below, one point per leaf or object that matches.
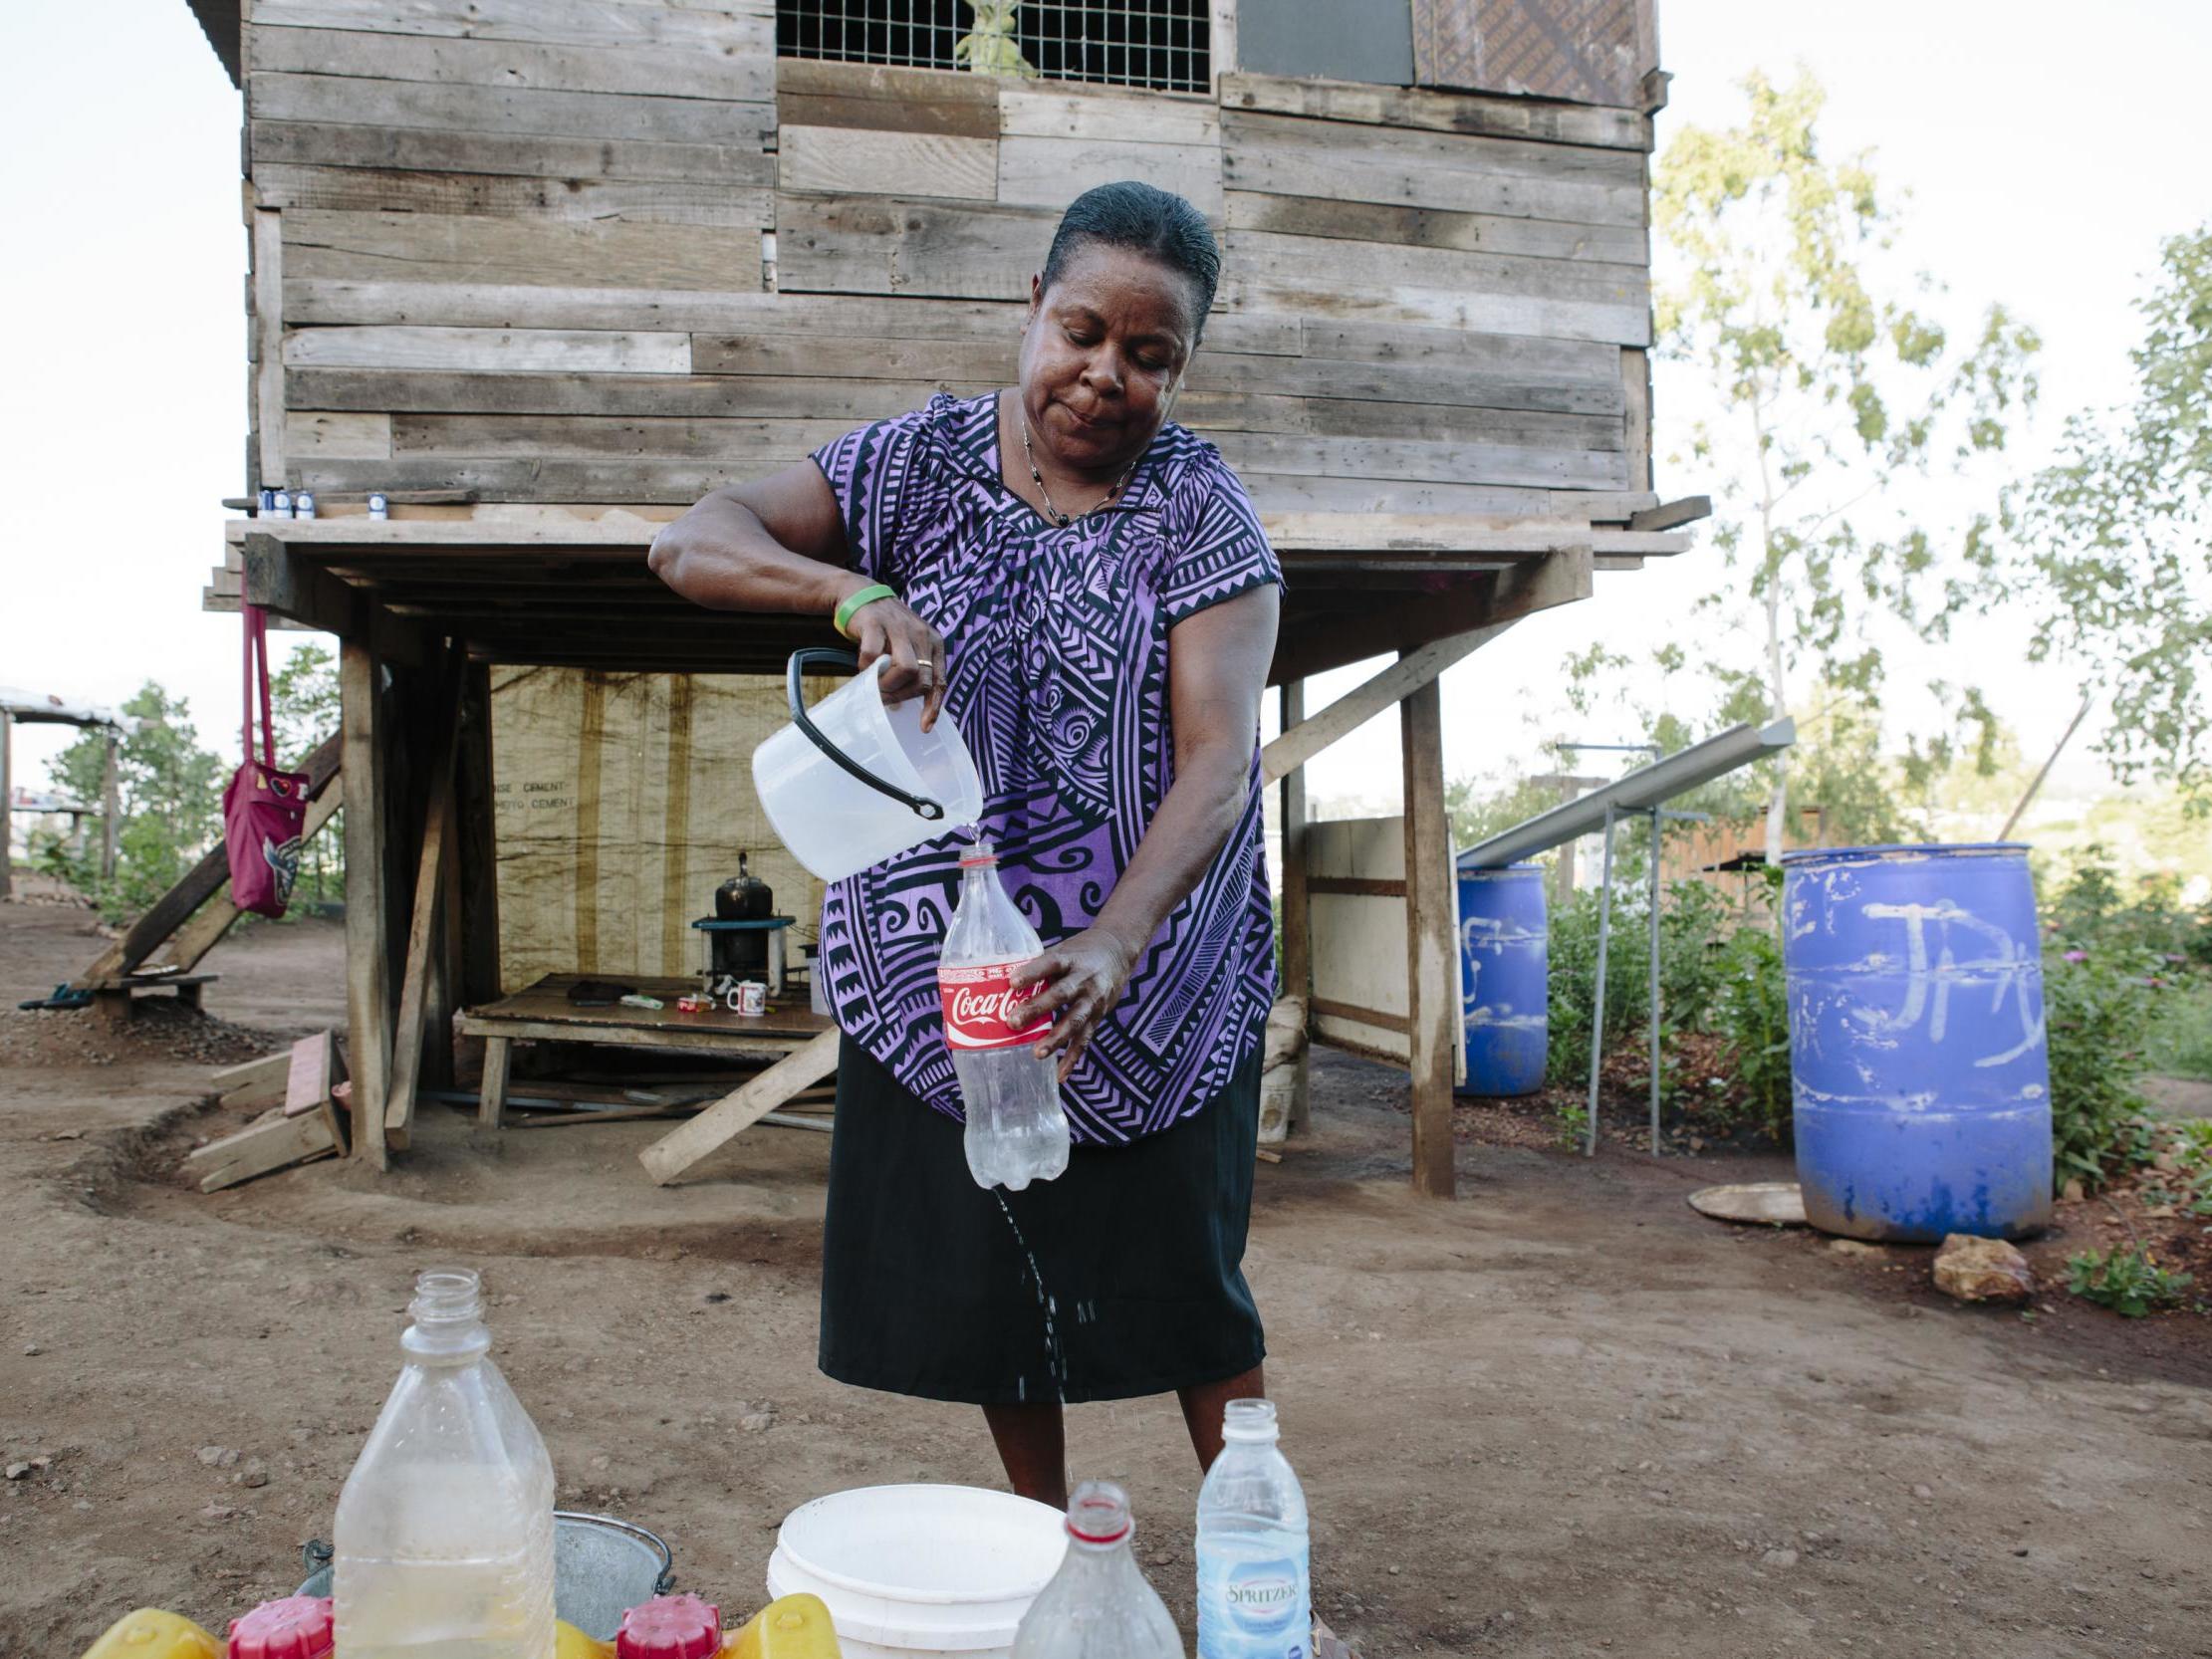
(1144, 219)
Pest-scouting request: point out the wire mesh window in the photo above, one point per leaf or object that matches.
(1160, 43)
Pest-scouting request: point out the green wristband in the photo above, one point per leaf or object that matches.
(866, 596)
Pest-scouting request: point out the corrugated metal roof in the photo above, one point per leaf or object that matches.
(218, 20)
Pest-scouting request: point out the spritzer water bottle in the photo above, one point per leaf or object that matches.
(1255, 1598)
(1017, 1132)
(444, 1535)
(1098, 1606)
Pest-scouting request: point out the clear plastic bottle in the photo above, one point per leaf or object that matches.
(444, 1542)
(1017, 1132)
(1255, 1596)
(1098, 1606)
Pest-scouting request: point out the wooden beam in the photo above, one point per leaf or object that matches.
(1302, 742)
(1431, 930)
(268, 340)
(110, 796)
(366, 729)
(1667, 514)
(280, 580)
(1298, 911)
(311, 1072)
(476, 841)
(1408, 622)
(677, 1151)
(422, 941)
(7, 805)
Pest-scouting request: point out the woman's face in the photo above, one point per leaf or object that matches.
(1101, 355)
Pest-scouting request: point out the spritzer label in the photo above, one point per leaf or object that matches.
(1253, 1610)
(985, 1010)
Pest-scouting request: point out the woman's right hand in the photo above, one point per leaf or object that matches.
(885, 627)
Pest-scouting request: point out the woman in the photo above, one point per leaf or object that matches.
(1086, 588)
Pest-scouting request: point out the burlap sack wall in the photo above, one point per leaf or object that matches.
(623, 800)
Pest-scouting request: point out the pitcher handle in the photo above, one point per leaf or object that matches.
(800, 663)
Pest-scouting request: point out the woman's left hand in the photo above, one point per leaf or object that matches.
(1083, 977)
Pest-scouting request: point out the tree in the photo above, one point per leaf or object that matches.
(1829, 394)
(169, 797)
(2112, 543)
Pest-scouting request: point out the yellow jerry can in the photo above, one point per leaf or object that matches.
(150, 1633)
(571, 1643)
(794, 1628)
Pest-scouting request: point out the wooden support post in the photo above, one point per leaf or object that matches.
(109, 796)
(476, 847)
(1432, 1013)
(7, 807)
(424, 946)
(1298, 910)
(367, 731)
(491, 1091)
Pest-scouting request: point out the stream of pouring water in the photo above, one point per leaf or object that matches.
(1053, 1364)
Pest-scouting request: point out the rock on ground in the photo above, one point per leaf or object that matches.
(1983, 1270)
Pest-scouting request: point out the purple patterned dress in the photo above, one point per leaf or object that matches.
(1057, 646)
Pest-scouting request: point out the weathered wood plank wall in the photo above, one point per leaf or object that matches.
(614, 253)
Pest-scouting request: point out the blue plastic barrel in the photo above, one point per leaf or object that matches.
(1505, 957)
(1919, 1081)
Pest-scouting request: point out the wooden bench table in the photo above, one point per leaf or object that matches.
(112, 999)
(544, 1013)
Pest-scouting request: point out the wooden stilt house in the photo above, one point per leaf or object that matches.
(542, 272)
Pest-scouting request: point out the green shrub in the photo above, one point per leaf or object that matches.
(2126, 1281)
(1751, 1012)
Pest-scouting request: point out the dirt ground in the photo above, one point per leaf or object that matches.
(1562, 1415)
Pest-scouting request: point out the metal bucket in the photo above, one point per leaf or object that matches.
(602, 1568)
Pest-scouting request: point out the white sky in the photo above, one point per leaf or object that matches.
(2046, 149)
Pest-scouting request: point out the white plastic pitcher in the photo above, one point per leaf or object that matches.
(854, 782)
(921, 1571)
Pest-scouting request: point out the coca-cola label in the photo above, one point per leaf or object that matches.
(984, 1009)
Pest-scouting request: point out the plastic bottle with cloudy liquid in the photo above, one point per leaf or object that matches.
(444, 1541)
(1255, 1596)
(1098, 1606)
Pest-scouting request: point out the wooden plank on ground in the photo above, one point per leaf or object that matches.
(675, 1152)
(255, 1083)
(312, 1073)
(272, 1142)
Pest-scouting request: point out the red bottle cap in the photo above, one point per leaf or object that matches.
(297, 1627)
(670, 1627)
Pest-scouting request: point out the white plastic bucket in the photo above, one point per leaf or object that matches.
(894, 787)
(910, 1570)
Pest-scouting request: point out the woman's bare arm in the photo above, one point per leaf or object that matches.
(1217, 663)
(778, 545)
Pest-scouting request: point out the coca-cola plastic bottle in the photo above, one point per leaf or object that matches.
(1017, 1132)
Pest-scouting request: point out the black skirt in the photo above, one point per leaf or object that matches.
(1124, 1276)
